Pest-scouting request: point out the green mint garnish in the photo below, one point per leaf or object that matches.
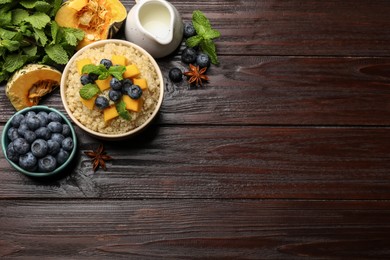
(117, 71)
(28, 31)
(205, 36)
(99, 70)
(103, 72)
(88, 91)
(122, 111)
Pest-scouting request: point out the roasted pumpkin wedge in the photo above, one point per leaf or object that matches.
(29, 84)
(99, 19)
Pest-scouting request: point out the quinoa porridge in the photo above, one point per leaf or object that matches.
(93, 119)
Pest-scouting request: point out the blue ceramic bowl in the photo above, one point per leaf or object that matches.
(5, 141)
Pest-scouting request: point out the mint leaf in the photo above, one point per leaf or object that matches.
(200, 22)
(99, 70)
(211, 34)
(18, 16)
(121, 109)
(10, 45)
(54, 28)
(40, 36)
(14, 62)
(117, 71)
(38, 20)
(56, 5)
(72, 36)
(5, 1)
(208, 47)
(30, 50)
(5, 17)
(88, 91)
(57, 53)
(194, 41)
(5, 34)
(42, 6)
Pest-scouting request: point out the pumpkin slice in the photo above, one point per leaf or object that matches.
(99, 19)
(29, 84)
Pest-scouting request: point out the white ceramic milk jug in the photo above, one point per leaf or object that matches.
(155, 25)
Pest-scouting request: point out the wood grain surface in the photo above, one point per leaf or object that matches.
(284, 154)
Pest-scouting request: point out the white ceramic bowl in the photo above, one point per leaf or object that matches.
(107, 136)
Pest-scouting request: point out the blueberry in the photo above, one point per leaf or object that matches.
(30, 136)
(67, 144)
(53, 116)
(43, 133)
(135, 92)
(101, 102)
(189, 30)
(126, 89)
(106, 62)
(53, 147)
(12, 133)
(55, 127)
(115, 84)
(22, 129)
(126, 82)
(62, 156)
(114, 95)
(16, 119)
(188, 55)
(175, 75)
(93, 76)
(33, 122)
(30, 113)
(47, 164)
(57, 137)
(66, 130)
(28, 161)
(21, 146)
(11, 153)
(203, 60)
(39, 148)
(86, 79)
(43, 118)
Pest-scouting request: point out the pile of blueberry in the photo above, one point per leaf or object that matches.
(117, 87)
(39, 142)
(189, 55)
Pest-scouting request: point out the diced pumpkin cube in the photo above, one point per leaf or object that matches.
(132, 104)
(131, 71)
(81, 63)
(89, 103)
(103, 84)
(110, 113)
(141, 83)
(118, 60)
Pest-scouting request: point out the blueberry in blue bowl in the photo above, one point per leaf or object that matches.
(39, 141)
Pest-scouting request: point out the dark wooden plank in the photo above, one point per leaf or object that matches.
(196, 229)
(294, 27)
(225, 162)
(275, 91)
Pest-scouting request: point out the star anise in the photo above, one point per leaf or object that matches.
(98, 158)
(196, 75)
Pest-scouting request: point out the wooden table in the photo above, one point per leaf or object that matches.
(284, 154)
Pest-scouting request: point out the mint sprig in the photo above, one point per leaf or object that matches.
(122, 111)
(103, 73)
(88, 91)
(205, 36)
(29, 34)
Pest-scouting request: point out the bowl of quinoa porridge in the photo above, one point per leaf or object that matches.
(112, 89)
